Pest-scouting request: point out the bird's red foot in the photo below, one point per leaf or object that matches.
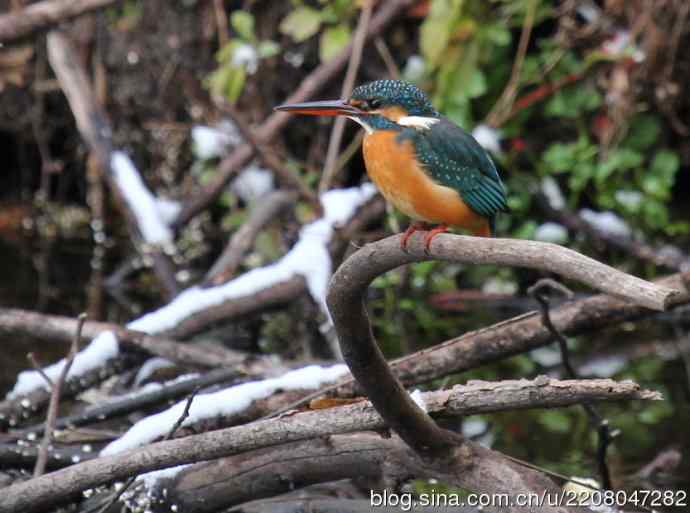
(431, 234)
(416, 226)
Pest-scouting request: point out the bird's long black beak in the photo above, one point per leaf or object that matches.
(322, 108)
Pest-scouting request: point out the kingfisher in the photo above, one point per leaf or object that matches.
(425, 165)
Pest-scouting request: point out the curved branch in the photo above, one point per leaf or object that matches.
(350, 283)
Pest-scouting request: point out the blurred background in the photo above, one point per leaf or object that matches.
(582, 104)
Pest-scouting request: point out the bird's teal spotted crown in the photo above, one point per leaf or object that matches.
(387, 93)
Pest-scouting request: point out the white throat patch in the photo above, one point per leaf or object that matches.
(418, 122)
(366, 126)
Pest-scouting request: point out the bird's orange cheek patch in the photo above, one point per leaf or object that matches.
(394, 113)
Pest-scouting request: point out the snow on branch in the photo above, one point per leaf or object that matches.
(141, 201)
(225, 402)
(308, 258)
(477, 397)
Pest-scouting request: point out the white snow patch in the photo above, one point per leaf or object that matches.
(150, 366)
(224, 402)
(415, 68)
(150, 479)
(246, 55)
(418, 399)
(551, 232)
(629, 199)
(546, 356)
(140, 200)
(603, 367)
(168, 209)
(209, 142)
(253, 183)
(550, 189)
(488, 137)
(151, 387)
(473, 426)
(589, 12)
(606, 222)
(309, 258)
(499, 286)
(102, 348)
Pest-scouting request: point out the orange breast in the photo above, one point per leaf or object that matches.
(393, 167)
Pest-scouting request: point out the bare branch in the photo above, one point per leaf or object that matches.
(667, 256)
(350, 283)
(51, 489)
(94, 127)
(34, 325)
(42, 458)
(286, 175)
(243, 239)
(43, 15)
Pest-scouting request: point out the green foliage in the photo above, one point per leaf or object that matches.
(305, 21)
(239, 57)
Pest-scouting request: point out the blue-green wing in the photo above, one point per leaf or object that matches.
(453, 158)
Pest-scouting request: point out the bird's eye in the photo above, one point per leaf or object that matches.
(374, 103)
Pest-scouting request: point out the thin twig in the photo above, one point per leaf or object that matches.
(266, 154)
(243, 239)
(387, 57)
(51, 416)
(350, 76)
(503, 106)
(604, 434)
(185, 413)
(39, 368)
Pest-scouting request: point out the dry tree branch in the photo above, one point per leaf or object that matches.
(51, 417)
(265, 153)
(94, 127)
(43, 15)
(667, 256)
(477, 397)
(311, 85)
(243, 239)
(367, 364)
(38, 326)
(118, 408)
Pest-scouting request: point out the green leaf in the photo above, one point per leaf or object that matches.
(620, 159)
(560, 157)
(665, 165)
(228, 82)
(573, 102)
(301, 24)
(436, 31)
(497, 34)
(243, 23)
(555, 420)
(267, 49)
(643, 133)
(655, 412)
(333, 40)
(659, 179)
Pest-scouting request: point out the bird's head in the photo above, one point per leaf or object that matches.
(383, 104)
